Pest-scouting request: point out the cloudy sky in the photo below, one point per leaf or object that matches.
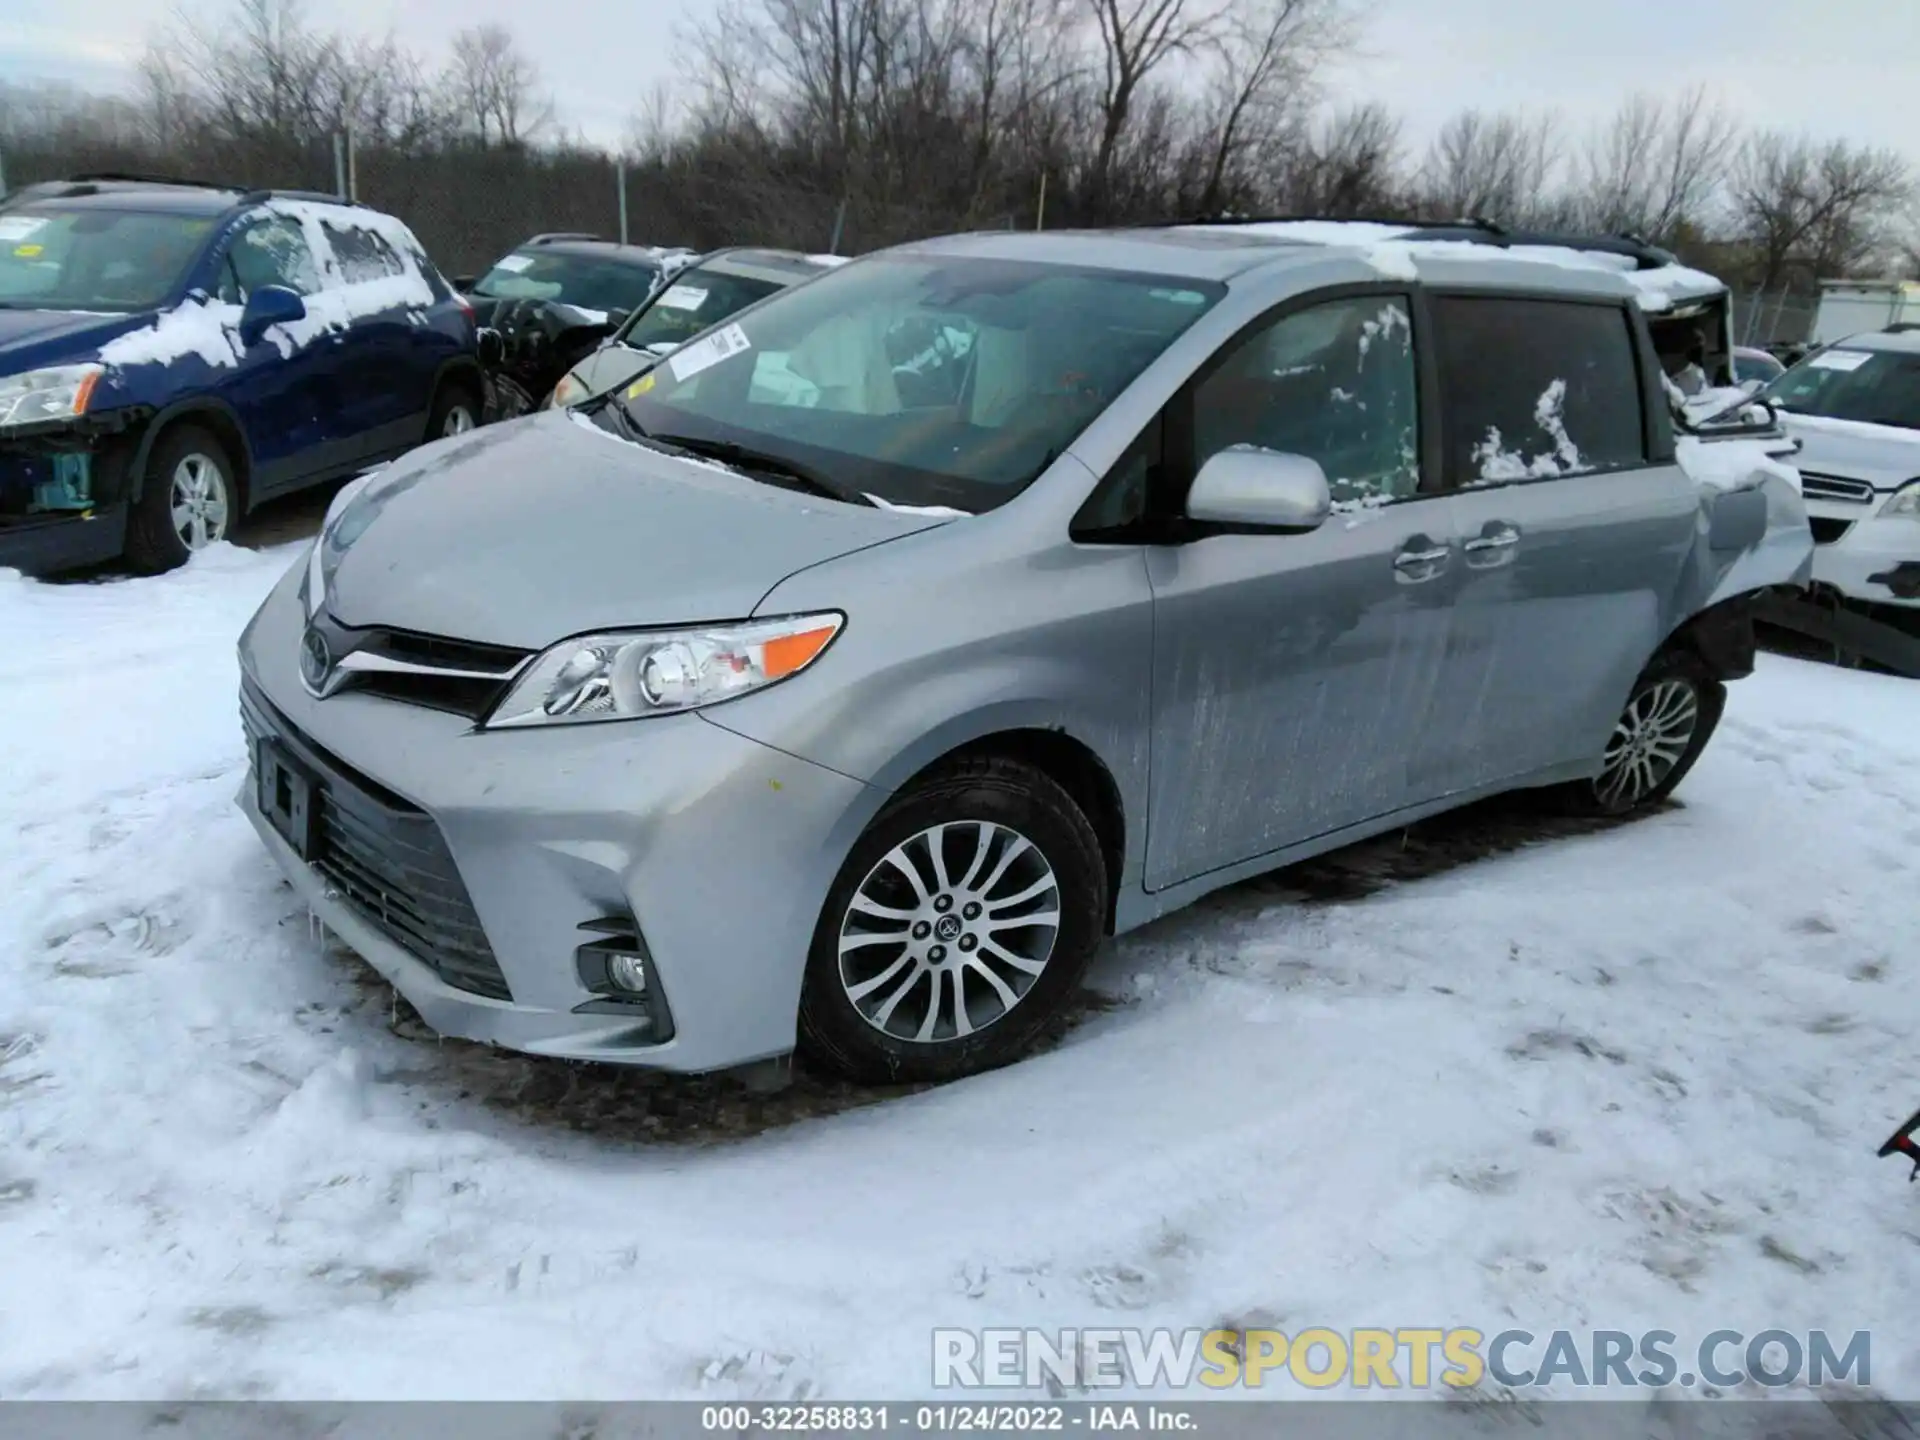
(1843, 68)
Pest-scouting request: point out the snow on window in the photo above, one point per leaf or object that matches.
(1495, 462)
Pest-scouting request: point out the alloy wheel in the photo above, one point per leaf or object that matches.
(949, 931)
(199, 502)
(1650, 739)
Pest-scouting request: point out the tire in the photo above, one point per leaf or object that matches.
(1675, 690)
(863, 1020)
(456, 410)
(188, 500)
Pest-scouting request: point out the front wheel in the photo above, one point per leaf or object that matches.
(455, 411)
(187, 502)
(958, 928)
(1670, 715)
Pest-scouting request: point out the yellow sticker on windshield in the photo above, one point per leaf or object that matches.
(27, 252)
(640, 386)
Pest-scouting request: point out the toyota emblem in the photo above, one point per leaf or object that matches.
(316, 661)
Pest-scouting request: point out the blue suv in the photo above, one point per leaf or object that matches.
(172, 354)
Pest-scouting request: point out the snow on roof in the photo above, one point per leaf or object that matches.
(1393, 249)
(828, 260)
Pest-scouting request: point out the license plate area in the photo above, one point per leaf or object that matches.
(287, 796)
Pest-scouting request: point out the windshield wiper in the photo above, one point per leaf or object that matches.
(742, 457)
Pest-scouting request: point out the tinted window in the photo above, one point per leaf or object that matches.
(922, 380)
(1336, 383)
(361, 254)
(56, 258)
(269, 252)
(695, 300)
(1881, 387)
(1536, 388)
(592, 282)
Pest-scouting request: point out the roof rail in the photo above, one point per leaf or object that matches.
(1476, 230)
(549, 237)
(321, 197)
(125, 177)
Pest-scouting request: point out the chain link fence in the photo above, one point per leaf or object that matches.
(471, 206)
(1774, 317)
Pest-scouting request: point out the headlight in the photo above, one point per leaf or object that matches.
(571, 390)
(1905, 502)
(624, 675)
(56, 394)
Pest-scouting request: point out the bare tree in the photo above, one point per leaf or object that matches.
(1266, 55)
(1499, 167)
(1346, 162)
(1657, 166)
(1814, 209)
(1136, 38)
(493, 87)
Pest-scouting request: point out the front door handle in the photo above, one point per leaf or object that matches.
(1493, 546)
(1420, 560)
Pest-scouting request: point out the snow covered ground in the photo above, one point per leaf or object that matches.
(1627, 1079)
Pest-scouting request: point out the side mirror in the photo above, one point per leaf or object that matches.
(1260, 489)
(268, 306)
(464, 283)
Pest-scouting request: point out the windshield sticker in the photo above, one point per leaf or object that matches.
(690, 360)
(19, 227)
(1840, 359)
(514, 264)
(28, 252)
(640, 386)
(682, 297)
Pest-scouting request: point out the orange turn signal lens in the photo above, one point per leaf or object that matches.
(785, 654)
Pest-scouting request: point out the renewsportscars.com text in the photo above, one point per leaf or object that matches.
(1391, 1359)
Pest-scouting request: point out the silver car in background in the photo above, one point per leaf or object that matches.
(842, 681)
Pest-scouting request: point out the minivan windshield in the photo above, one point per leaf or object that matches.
(55, 257)
(590, 282)
(1881, 387)
(696, 299)
(920, 380)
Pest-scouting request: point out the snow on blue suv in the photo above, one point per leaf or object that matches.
(173, 354)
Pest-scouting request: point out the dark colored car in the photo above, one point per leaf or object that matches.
(699, 297)
(602, 278)
(172, 354)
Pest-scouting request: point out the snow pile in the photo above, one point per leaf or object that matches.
(1631, 1079)
(1495, 462)
(1394, 251)
(210, 329)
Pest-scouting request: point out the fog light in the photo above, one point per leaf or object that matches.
(628, 972)
(617, 969)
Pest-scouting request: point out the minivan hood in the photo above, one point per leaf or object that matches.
(31, 339)
(526, 532)
(1883, 455)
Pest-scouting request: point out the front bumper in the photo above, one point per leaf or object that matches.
(1872, 560)
(47, 544)
(719, 848)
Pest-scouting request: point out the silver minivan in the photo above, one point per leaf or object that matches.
(841, 682)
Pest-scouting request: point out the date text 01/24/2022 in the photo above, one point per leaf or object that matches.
(982, 1419)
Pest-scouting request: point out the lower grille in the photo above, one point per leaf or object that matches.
(1827, 530)
(385, 857)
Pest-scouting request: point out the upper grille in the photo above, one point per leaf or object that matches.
(1835, 487)
(462, 677)
(386, 858)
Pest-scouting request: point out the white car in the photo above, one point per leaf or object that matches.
(1855, 409)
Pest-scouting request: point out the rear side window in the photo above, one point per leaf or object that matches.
(361, 254)
(1533, 389)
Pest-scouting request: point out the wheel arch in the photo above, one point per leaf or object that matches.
(1071, 763)
(1721, 637)
(212, 414)
(463, 370)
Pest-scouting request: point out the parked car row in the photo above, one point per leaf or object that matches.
(173, 353)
